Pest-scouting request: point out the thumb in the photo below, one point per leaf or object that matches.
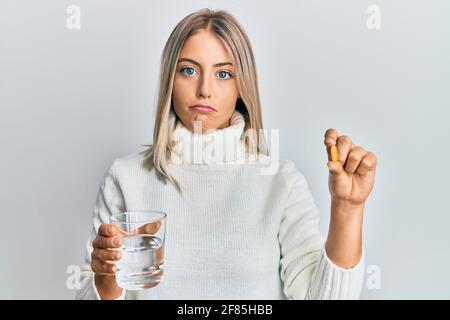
(335, 167)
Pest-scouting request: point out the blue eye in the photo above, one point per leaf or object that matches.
(224, 73)
(190, 71)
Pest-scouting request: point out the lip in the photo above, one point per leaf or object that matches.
(203, 108)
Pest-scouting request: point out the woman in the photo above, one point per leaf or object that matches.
(232, 231)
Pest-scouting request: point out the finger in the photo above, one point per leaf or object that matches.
(149, 228)
(335, 167)
(354, 158)
(110, 230)
(344, 145)
(160, 255)
(103, 268)
(368, 163)
(106, 255)
(331, 136)
(107, 242)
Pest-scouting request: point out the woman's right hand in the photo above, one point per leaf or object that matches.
(104, 258)
(106, 254)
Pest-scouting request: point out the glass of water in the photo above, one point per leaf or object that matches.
(142, 262)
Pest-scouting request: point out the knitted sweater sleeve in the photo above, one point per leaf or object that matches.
(109, 201)
(305, 269)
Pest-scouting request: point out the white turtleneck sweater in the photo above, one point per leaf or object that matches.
(236, 233)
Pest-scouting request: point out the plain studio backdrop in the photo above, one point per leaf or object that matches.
(73, 100)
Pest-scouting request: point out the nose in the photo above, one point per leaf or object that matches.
(204, 89)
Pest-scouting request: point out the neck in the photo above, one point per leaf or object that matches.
(220, 146)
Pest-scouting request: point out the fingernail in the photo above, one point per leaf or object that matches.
(329, 166)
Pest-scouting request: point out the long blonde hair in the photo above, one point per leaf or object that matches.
(236, 41)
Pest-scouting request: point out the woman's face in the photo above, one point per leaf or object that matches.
(205, 75)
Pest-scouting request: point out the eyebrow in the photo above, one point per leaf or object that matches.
(220, 64)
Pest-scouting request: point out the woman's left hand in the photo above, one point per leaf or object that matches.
(351, 179)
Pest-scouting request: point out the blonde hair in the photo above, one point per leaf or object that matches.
(237, 43)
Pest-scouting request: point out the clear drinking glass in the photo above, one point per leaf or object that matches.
(142, 262)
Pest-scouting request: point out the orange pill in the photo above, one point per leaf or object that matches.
(333, 154)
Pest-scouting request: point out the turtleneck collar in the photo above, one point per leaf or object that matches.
(219, 146)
